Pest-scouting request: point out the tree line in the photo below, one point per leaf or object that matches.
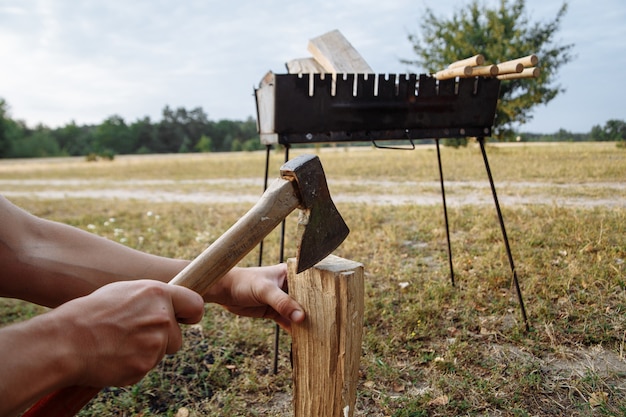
(184, 131)
(179, 131)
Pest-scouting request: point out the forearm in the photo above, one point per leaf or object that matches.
(64, 263)
(111, 337)
(35, 362)
(50, 263)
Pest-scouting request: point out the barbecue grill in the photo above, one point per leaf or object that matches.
(317, 108)
(355, 107)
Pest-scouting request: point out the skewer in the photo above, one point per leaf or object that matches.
(471, 61)
(508, 70)
(510, 67)
(486, 71)
(532, 72)
(526, 61)
(465, 71)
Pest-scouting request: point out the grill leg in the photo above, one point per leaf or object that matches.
(268, 148)
(481, 141)
(282, 246)
(281, 259)
(445, 212)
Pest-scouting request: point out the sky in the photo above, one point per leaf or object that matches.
(84, 61)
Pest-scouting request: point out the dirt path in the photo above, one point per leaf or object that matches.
(458, 193)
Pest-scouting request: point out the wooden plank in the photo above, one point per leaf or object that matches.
(336, 55)
(265, 104)
(326, 347)
(304, 66)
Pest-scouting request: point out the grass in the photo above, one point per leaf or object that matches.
(429, 348)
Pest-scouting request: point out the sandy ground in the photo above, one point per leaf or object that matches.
(459, 193)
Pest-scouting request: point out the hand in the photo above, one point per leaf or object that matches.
(257, 292)
(122, 330)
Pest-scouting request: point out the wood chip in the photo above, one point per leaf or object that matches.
(182, 412)
(443, 400)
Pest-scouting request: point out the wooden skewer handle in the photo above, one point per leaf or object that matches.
(485, 71)
(517, 65)
(526, 61)
(526, 73)
(509, 67)
(465, 71)
(471, 62)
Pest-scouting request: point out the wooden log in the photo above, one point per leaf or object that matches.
(304, 66)
(336, 55)
(327, 345)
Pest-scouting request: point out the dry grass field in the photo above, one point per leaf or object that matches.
(429, 348)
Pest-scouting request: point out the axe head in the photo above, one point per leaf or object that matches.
(321, 229)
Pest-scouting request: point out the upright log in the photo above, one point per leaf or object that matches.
(327, 345)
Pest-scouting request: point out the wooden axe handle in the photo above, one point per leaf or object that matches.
(280, 199)
(66, 402)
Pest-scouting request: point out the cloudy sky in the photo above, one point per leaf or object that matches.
(64, 60)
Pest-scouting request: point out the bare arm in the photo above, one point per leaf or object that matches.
(111, 337)
(111, 325)
(49, 263)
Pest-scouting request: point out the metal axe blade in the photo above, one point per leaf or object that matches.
(321, 229)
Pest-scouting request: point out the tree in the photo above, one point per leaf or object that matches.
(613, 130)
(144, 135)
(205, 144)
(113, 135)
(73, 139)
(36, 144)
(5, 144)
(500, 34)
(11, 132)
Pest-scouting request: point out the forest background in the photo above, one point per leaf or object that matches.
(184, 131)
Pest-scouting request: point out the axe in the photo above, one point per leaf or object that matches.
(321, 229)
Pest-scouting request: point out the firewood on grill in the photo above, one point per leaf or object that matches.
(336, 55)
(304, 66)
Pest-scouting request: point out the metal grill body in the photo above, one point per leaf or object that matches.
(317, 108)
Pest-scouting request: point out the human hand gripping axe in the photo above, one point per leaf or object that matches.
(321, 229)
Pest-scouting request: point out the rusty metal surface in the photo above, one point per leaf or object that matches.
(381, 107)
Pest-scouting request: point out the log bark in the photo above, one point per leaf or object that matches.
(327, 345)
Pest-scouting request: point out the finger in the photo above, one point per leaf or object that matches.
(188, 305)
(175, 339)
(283, 304)
(284, 324)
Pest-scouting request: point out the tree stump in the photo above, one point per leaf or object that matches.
(327, 345)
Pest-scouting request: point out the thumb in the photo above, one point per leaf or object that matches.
(284, 305)
(188, 305)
